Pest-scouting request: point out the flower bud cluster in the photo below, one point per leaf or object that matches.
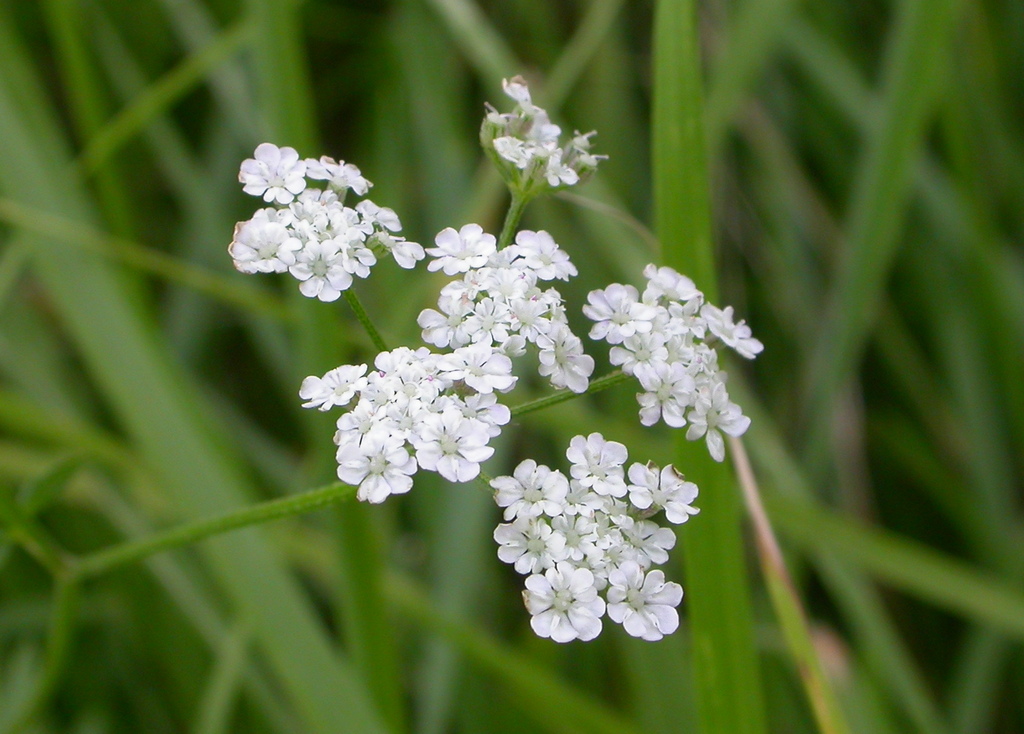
(666, 338)
(415, 410)
(309, 232)
(524, 145)
(587, 544)
(498, 301)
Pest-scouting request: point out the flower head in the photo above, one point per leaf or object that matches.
(666, 338)
(524, 145)
(579, 538)
(311, 233)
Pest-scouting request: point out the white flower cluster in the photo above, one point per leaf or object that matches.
(666, 338)
(498, 301)
(524, 145)
(310, 233)
(590, 534)
(415, 410)
(585, 540)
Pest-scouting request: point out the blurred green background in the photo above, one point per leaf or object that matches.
(867, 168)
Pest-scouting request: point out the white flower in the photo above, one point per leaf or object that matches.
(275, 173)
(545, 258)
(264, 244)
(712, 412)
(406, 253)
(564, 604)
(480, 367)
(380, 465)
(363, 419)
(618, 313)
(338, 174)
(581, 537)
(532, 491)
(644, 606)
(579, 150)
(667, 490)
(337, 387)
(651, 542)
(670, 390)
(562, 358)
(526, 147)
(485, 408)
(667, 283)
(321, 268)
(529, 545)
(378, 215)
(597, 463)
(738, 336)
(639, 350)
(315, 213)
(438, 329)
(457, 252)
(517, 152)
(559, 173)
(489, 322)
(529, 315)
(516, 89)
(452, 445)
(582, 500)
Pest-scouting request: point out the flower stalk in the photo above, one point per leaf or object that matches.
(192, 532)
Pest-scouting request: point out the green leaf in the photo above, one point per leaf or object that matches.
(159, 408)
(44, 490)
(726, 668)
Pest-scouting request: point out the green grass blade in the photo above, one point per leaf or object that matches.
(482, 44)
(196, 28)
(911, 567)
(198, 607)
(750, 41)
(884, 651)
(552, 704)
(160, 96)
(580, 50)
(726, 666)
(237, 294)
(974, 689)
(367, 626)
(13, 263)
(907, 565)
(911, 84)
(160, 411)
(286, 99)
(224, 682)
(789, 610)
(68, 23)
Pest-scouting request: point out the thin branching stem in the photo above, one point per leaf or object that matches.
(512, 217)
(191, 532)
(601, 383)
(364, 319)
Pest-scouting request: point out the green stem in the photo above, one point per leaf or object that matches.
(191, 532)
(601, 383)
(512, 217)
(364, 319)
